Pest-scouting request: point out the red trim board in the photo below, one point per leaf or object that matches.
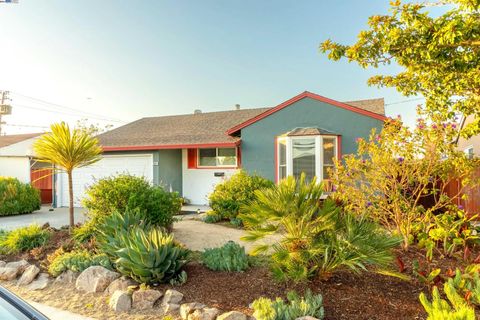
(174, 146)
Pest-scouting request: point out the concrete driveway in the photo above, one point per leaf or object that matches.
(57, 218)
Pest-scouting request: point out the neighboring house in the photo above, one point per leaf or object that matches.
(192, 153)
(17, 160)
(470, 146)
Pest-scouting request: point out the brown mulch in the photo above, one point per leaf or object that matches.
(346, 296)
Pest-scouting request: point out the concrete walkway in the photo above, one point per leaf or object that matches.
(57, 314)
(57, 218)
(198, 235)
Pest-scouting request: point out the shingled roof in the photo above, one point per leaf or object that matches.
(16, 138)
(190, 130)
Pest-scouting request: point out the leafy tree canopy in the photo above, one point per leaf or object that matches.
(439, 53)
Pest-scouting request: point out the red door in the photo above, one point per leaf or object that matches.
(42, 180)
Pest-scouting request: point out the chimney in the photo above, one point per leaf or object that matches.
(237, 107)
(197, 111)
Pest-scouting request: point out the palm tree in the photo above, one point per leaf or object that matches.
(67, 150)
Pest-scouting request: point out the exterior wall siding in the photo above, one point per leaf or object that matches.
(258, 139)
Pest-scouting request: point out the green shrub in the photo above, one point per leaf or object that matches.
(117, 193)
(212, 217)
(228, 196)
(85, 232)
(230, 257)
(17, 197)
(24, 239)
(295, 307)
(314, 237)
(140, 251)
(150, 256)
(77, 261)
(440, 309)
(467, 284)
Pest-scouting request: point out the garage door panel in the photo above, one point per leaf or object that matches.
(138, 165)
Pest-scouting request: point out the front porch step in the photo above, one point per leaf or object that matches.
(191, 208)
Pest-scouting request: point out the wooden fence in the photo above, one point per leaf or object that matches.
(472, 202)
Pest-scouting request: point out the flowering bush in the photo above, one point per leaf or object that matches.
(400, 175)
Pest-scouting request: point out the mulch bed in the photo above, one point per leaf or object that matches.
(346, 296)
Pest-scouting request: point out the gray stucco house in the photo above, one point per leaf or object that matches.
(192, 153)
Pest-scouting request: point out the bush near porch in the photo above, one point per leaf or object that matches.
(17, 197)
(124, 191)
(227, 197)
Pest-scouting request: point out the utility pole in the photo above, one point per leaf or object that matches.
(4, 107)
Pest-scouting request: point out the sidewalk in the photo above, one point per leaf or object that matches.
(57, 314)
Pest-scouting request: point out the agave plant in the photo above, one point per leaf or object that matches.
(308, 237)
(150, 256)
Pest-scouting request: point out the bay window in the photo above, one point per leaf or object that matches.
(312, 155)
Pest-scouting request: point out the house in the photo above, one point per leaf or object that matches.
(470, 146)
(192, 153)
(17, 160)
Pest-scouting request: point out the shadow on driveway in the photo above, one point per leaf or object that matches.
(57, 218)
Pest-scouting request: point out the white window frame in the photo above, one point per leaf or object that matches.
(318, 153)
(216, 158)
(467, 151)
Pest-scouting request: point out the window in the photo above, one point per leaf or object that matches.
(217, 157)
(469, 152)
(312, 155)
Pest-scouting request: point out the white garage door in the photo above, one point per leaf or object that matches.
(138, 165)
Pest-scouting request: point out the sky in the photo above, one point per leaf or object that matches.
(112, 62)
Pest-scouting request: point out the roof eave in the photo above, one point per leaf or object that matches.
(172, 146)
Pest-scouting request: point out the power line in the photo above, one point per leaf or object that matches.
(63, 112)
(93, 115)
(26, 126)
(404, 101)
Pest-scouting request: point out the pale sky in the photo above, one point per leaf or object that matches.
(116, 61)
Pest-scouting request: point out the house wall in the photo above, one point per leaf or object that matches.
(258, 139)
(471, 142)
(199, 183)
(17, 167)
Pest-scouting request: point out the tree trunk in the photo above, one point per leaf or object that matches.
(70, 194)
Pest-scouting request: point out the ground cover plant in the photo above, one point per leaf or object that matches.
(295, 307)
(17, 197)
(76, 261)
(454, 309)
(228, 196)
(23, 239)
(316, 238)
(229, 257)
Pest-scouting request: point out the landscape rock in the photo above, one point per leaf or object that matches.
(172, 296)
(11, 270)
(67, 277)
(306, 318)
(121, 284)
(95, 279)
(232, 315)
(28, 275)
(188, 308)
(120, 301)
(2, 264)
(169, 308)
(204, 314)
(8, 273)
(21, 265)
(40, 283)
(144, 299)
